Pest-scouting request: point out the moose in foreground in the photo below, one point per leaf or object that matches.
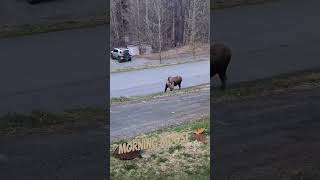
(220, 56)
(173, 81)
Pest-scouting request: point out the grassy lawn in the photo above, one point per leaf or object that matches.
(189, 160)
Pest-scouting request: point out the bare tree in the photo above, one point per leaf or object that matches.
(193, 26)
(158, 10)
(163, 24)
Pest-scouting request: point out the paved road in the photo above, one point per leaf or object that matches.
(149, 81)
(132, 119)
(269, 39)
(67, 156)
(54, 71)
(267, 137)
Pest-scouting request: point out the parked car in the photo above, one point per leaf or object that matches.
(121, 54)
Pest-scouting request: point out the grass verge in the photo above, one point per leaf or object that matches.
(222, 4)
(189, 160)
(132, 99)
(47, 122)
(298, 80)
(305, 173)
(150, 66)
(28, 29)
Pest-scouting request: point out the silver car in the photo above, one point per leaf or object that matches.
(121, 54)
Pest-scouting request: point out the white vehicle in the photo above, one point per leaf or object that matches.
(121, 54)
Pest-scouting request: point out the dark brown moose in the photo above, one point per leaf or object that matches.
(173, 81)
(220, 56)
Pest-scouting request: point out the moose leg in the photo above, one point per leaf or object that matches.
(179, 86)
(165, 90)
(223, 78)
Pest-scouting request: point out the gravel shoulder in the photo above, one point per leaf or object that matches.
(132, 119)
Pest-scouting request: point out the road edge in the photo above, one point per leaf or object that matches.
(7, 31)
(224, 5)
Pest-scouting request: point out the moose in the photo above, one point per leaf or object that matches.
(220, 56)
(172, 82)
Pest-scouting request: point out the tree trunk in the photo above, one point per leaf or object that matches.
(193, 27)
(159, 29)
(138, 25)
(173, 28)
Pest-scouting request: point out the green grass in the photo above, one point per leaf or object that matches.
(189, 160)
(28, 29)
(174, 148)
